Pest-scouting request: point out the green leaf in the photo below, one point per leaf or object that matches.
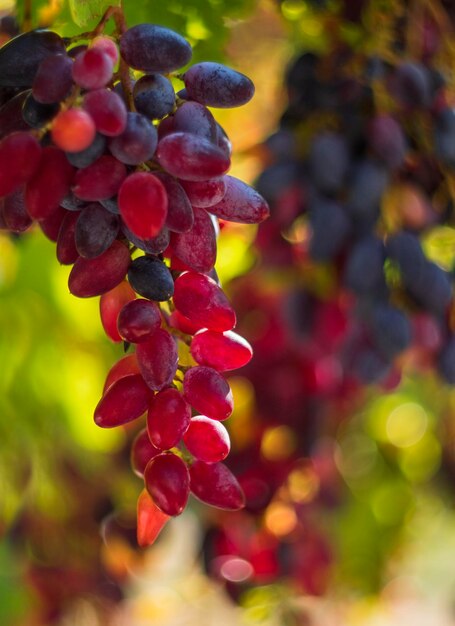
(83, 11)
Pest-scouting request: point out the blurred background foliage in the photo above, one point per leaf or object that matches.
(371, 502)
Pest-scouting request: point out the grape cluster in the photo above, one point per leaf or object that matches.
(129, 179)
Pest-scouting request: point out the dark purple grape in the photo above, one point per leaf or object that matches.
(151, 279)
(367, 185)
(410, 85)
(180, 217)
(154, 96)
(196, 119)
(330, 226)
(217, 85)
(364, 271)
(387, 140)
(329, 161)
(86, 157)
(14, 212)
(20, 57)
(432, 288)
(153, 48)
(405, 249)
(36, 114)
(111, 205)
(11, 119)
(391, 330)
(444, 137)
(71, 203)
(138, 141)
(53, 80)
(96, 230)
(446, 361)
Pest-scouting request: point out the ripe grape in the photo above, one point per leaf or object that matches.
(168, 419)
(143, 203)
(196, 119)
(73, 130)
(168, 482)
(138, 320)
(151, 245)
(208, 392)
(108, 46)
(34, 113)
(151, 278)
(124, 401)
(66, 247)
(154, 96)
(158, 359)
(126, 366)
(222, 351)
(197, 246)
(96, 230)
(49, 184)
(207, 439)
(205, 193)
(138, 141)
(153, 48)
(92, 68)
(14, 212)
(216, 485)
(53, 79)
(150, 520)
(100, 180)
(92, 153)
(111, 303)
(191, 157)
(216, 85)
(20, 155)
(240, 203)
(203, 302)
(107, 110)
(93, 277)
(142, 451)
(180, 217)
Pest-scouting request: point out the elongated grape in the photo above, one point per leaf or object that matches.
(216, 85)
(151, 245)
(203, 302)
(207, 439)
(387, 140)
(364, 271)
(20, 155)
(36, 114)
(208, 392)
(391, 330)
(66, 247)
(205, 193)
(111, 303)
(191, 157)
(222, 351)
(197, 247)
(11, 118)
(138, 141)
(240, 203)
(142, 450)
(51, 225)
(446, 361)
(180, 217)
(153, 48)
(158, 359)
(96, 230)
(101, 180)
(14, 212)
(330, 229)
(143, 204)
(50, 183)
(150, 520)
(168, 419)
(107, 110)
(21, 56)
(138, 320)
(124, 401)
(93, 277)
(151, 279)
(126, 366)
(154, 96)
(167, 480)
(329, 161)
(92, 68)
(216, 485)
(196, 119)
(53, 80)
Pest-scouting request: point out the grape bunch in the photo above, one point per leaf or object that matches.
(129, 179)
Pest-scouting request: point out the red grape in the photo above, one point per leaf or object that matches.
(142, 451)
(101, 180)
(92, 68)
(107, 110)
(222, 351)
(126, 366)
(143, 204)
(241, 203)
(158, 359)
(197, 246)
(205, 193)
(168, 419)
(73, 130)
(150, 520)
(138, 320)
(216, 485)
(207, 439)
(20, 155)
(111, 303)
(124, 401)
(208, 392)
(168, 482)
(50, 183)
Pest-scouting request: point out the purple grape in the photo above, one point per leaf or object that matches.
(196, 119)
(86, 157)
(364, 272)
(180, 217)
(154, 96)
(151, 48)
(329, 161)
(154, 245)
(137, 143)
(151, 279)
(330, 226)
(36, 114)
(96, 230)
(217, 85)
(53, 80)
